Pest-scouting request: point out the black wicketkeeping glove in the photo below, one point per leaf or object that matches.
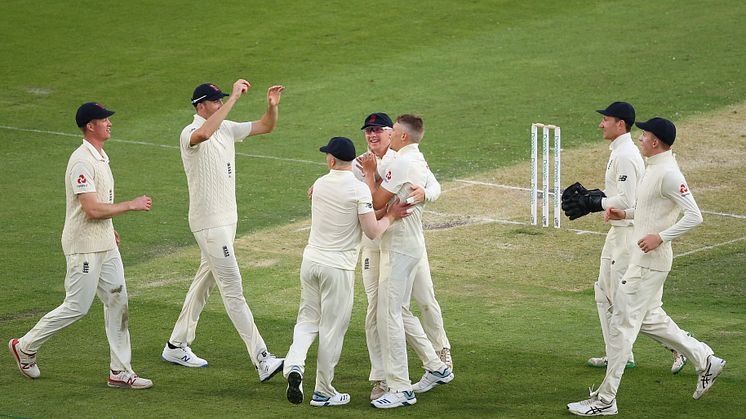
(576, 205)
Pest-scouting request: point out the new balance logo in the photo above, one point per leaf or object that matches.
(622, 178)
(226, 253)
(230, 171)
(366, 263)
(85, 267)
(185, 358)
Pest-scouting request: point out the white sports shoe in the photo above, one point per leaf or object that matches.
(395, 399)
(603, 362)
(126, 379)
(707, 377)
(26, 362)
(445, 356)
(679, 360)
(431, 379)
(294, 391)
(182, 355)
(339, 399)
(379, 389)
(593, 407)
(268, 366)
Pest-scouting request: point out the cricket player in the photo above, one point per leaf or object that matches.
(91, 247)
(638, 307)
(377, 129)
(624, 171)
(341, 208)
(402, 247)
(208, 153)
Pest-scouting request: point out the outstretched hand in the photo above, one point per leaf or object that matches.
(274, 94)
(240, 87)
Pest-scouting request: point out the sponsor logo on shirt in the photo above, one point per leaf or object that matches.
(622, 178)
(82, 180)
(683, 189)
(388, 175)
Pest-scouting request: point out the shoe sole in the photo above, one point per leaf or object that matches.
(327, 403)
(628, 366)
(272, 374)
(400, 404)
(182, 363)
(119, 384)
(17, 357)
(294, 392)
(714, 378)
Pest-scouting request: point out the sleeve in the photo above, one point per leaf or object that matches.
(239, 130)
(432, 187)
(81, 178)
(186, 137)
(364, 199)
(626, 186)
(674, 187)
(395, 177)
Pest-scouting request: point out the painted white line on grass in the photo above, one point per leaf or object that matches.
(702, 249)
(486, 220)
(64, 134)
(518, 188)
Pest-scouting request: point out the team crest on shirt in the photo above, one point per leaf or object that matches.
(388, 175)
(683, 189)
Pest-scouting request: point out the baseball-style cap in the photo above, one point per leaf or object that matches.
(621, 110)
(207, 91)
(664, 129)
(378, 119)
(341, 148)
(90, 111)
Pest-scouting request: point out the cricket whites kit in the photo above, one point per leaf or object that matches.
(402, 247)
(94, 266)
(210, 171)
(327, 278)
(623, 173)
(423, 291)
(661, 195)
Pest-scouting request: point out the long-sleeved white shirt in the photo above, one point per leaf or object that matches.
(623, 173)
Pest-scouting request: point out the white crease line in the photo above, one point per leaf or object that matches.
(64, 134)
(483, 220)
(702, 249)
(518, 188)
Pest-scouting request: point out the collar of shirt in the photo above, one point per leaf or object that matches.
(335, 172)
(199, 119)
(99, 156)
(661, 158)
(620, 141)
(409, 148)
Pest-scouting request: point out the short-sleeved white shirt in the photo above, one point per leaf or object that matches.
(408, 168)
(338, 198)
(210, 168)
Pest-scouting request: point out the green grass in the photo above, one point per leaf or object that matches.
(479, 72)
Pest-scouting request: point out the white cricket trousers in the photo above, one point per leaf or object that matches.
(218, 266)
(638, 309)
(394, 293)
(423, 293)
(88, 275)
(615, 257)
(326, 296)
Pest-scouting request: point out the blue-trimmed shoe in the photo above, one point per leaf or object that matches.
(339, 399)
(395, 399)
(433, 378)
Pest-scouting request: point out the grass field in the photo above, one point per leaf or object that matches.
(517, 300)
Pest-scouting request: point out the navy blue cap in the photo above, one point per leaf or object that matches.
(378, 119)
(341, 148)
(207, 91)
(90, 111)
(621, 110)
(664, 129)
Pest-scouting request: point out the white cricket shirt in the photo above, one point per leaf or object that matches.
(338, 198)
(210, 168)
